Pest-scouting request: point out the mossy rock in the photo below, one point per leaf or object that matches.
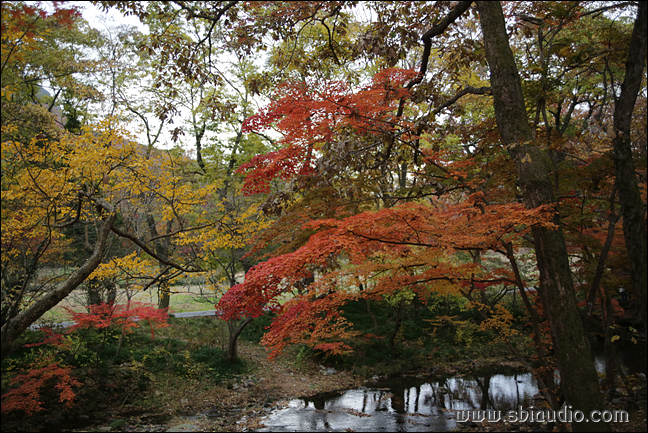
(117, 424)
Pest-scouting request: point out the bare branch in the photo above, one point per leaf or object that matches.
(150, 252)
(461, 93)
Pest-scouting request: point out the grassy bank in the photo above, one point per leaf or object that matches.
(133, 379)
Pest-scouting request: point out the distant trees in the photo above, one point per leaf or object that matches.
(96, 178)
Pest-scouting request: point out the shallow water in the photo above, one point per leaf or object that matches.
(411, 404)
(405, 404)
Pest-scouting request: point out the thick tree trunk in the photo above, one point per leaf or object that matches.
(632, 206)
(546, 372)
(578, 374)
(16, 325)
(234, 333)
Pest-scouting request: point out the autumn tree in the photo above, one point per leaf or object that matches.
(216, 95)
(574, 102)
(131, 94)
(44, 49)
(242, 217)
(632, 203)
(98, 178)
(579, 378)
(387, 139)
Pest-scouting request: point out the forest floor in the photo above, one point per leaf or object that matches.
(240, 404)
(179, 392)
(237, 404)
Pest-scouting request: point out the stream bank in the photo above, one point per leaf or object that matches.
(248, 400)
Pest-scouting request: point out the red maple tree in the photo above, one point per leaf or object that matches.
(372, 255)
(310, 114)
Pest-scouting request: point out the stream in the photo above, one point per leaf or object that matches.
(405, 404)
(420, 403)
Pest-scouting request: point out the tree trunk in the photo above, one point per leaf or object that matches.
(164, 295)
(578, 374)
(546, 372)
(632, 206)
(398, 318)
(17, 325)
(93, 292)
(610, 356)
(234, 332)
(162, 250)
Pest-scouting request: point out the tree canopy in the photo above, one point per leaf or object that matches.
(348, 150)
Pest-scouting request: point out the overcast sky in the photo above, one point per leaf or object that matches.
(112, 18)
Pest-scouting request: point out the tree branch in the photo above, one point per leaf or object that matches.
(150, 252)
(435, 31)
(15, 326)
(463, 92)
(191, 12)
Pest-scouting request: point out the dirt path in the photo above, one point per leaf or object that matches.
(241, 403)
(271, 385)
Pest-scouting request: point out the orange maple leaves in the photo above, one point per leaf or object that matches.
(27, 397)
(408, 247)
(311, 114)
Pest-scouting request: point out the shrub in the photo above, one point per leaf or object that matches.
(28, 395)
(47, 369)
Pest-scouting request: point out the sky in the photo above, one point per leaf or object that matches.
(112, 17)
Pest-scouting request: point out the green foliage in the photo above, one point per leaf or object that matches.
(255, 330)
(214, 365)
(440, 331)
(304, 355)
(117, 424)
(447, 304)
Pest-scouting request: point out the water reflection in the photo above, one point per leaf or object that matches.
(405, 404)
(632, 360)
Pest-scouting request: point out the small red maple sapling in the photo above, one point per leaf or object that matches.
(27, 396)
(46, 369)
(121, 317)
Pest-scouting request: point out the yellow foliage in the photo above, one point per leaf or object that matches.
(48, 184)
(499, 319)
(130, 266)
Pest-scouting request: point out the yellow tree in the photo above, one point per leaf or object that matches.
(100, 179)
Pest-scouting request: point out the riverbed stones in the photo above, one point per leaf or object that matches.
(184, 428)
